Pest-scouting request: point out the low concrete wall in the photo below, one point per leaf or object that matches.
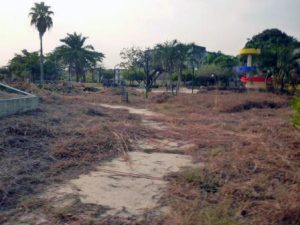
(20, 104)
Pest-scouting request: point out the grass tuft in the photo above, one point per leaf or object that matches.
(296, 107)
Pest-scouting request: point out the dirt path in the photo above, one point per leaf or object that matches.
(127, 188)
(163, 90)
(131, 187)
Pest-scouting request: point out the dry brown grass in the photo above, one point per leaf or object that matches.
(246, 141)
(65, 137)
(251, 157)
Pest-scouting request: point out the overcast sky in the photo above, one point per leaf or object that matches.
(112, 25)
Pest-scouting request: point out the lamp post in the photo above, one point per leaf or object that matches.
(116, 73)
(193, 77)
(216, 91)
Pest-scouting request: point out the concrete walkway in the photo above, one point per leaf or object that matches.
(131, 186)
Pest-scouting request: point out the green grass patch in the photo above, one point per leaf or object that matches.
(221, 215)
(201, 178)
(296, 107)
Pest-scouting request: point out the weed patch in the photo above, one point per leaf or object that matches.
(296, 117)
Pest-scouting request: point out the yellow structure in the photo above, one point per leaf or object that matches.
(250, 52)
(252, 81)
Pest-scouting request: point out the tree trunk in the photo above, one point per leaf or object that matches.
(69, 69)
(99, 75)
(148, 85)
(281, 81)
(178, 81)
(77, 76)
(41, 60)
(282, 85)
(146, 93)
(171, 82)
(84, 77)
(193, 79)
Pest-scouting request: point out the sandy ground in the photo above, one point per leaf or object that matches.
(143, 112)
(163, 90)
(127, 187)
(131, 185)
(164, 145)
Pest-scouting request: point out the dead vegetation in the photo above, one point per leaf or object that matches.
(247, 142)
(66, 137)
(251, 160)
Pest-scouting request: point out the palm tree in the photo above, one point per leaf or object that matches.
(167, 55)
(78, 56)
(41, 19)
(194, 57)
(181, 59)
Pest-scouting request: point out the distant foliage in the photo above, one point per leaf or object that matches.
(279, 56)
(133, 75)
(270, 41)
(220, 60)
(77, 56)
(26, 65)
(216, 66)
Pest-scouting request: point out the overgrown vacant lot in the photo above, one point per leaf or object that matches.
(251, 154)
(62, 139)
(246, 141)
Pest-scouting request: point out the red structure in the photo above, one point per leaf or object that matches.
(246, 79)
(256, 82)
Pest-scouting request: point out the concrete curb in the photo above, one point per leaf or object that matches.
(26, 102)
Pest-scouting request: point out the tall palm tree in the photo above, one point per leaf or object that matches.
(167, 55)
(78, 56)
(195, 56)
(41, 18)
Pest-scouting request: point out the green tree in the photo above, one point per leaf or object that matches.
(54, 69)
(41, 18)
(166, 54)
(194, 59)
(176, 57)
(78, 56)
(277, 54)
(287, 67)
(133, 75)
(270, 41)
(139, 63)
(4, 72)
(25, 65)
(220, 59)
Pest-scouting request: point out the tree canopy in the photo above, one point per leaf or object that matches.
(279, 55)
(78, 56)
(26, 66)
(271, 41)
